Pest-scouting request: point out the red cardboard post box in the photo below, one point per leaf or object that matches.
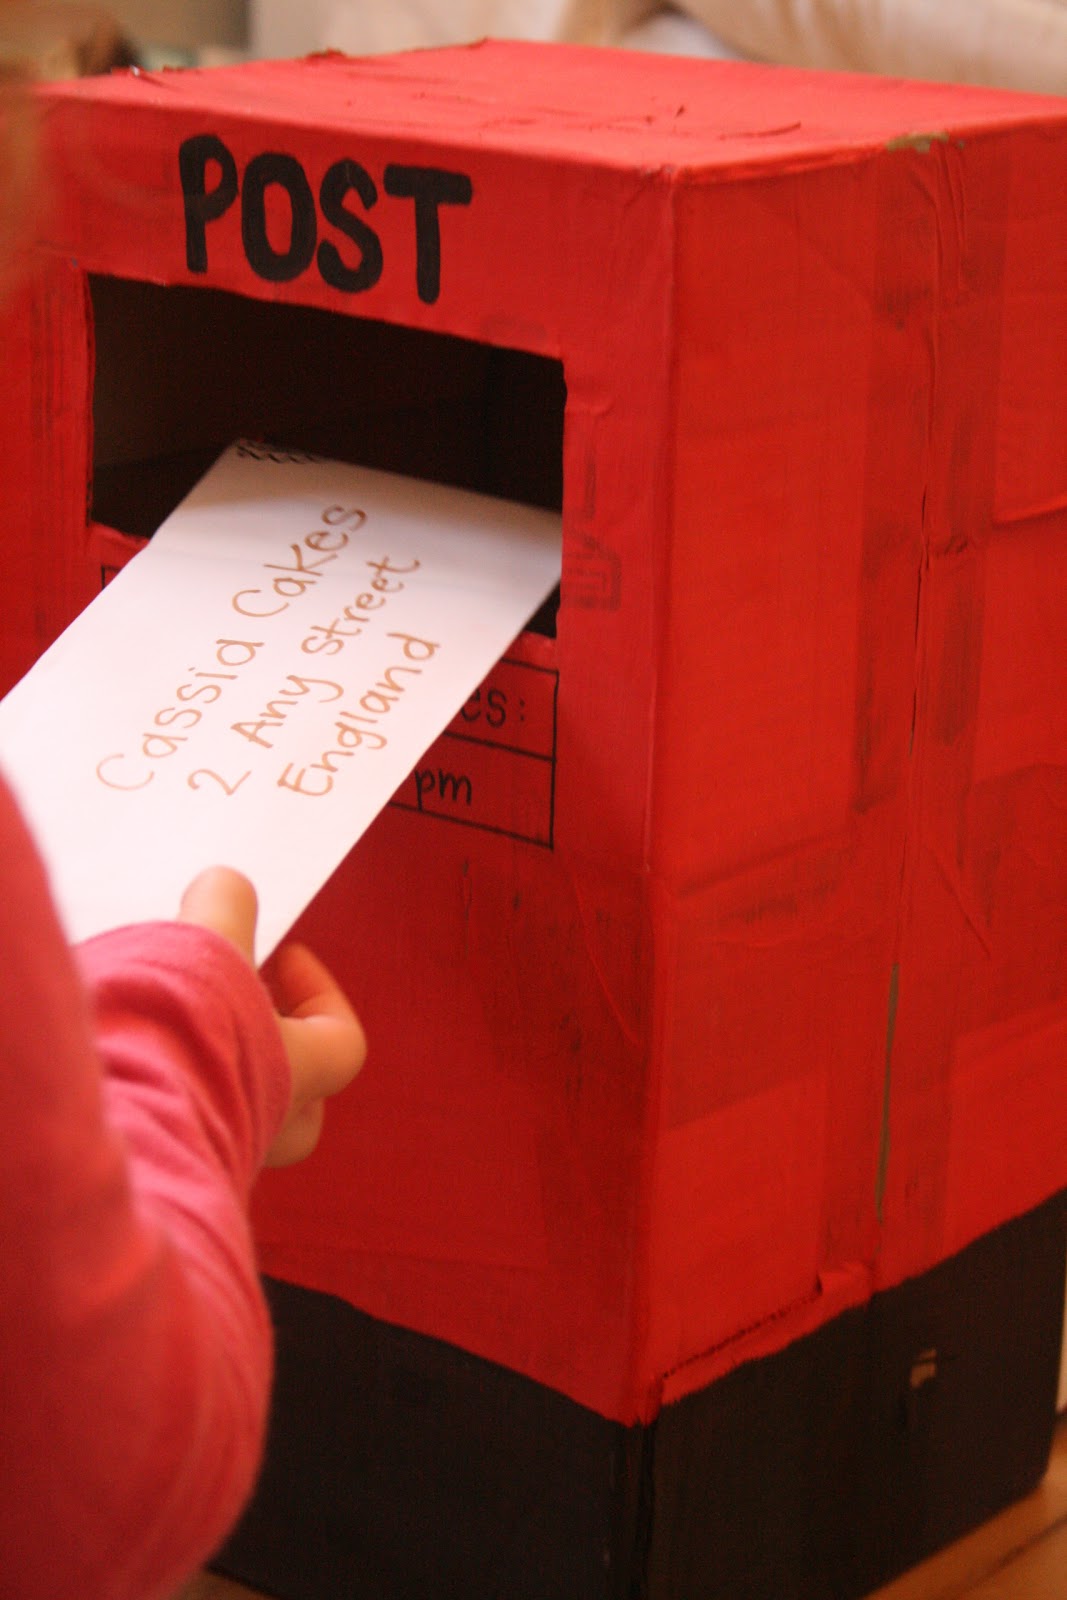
(714, 961)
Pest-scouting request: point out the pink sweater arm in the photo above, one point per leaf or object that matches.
(134, 1343)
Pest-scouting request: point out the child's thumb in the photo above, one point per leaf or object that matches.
(224, 900)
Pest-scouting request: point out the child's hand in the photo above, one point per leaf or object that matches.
(322, 1035)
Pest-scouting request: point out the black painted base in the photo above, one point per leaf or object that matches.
(400, 1468)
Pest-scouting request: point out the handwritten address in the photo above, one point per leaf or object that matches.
(357, 725)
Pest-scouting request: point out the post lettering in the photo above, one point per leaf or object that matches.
(280, 247)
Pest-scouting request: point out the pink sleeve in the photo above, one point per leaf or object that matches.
(135, 1346)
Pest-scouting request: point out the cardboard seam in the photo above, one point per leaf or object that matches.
(833, 1294)
(648, 1387)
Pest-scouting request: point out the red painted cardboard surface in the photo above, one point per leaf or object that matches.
(738, 989)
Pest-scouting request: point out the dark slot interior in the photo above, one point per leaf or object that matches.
(182, 372)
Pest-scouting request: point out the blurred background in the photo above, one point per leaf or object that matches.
(1018, 44)
(60, 38)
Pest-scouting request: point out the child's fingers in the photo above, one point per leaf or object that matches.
(301, 986)
(325, 1053)
(324, 1038)
(299, 1136)
(223, 900)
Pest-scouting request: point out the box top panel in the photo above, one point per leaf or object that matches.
(610, 107)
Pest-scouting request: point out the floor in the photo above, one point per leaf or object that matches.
(1020, 1555)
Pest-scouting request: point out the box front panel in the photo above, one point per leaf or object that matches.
(482, 1182)
(44, 403)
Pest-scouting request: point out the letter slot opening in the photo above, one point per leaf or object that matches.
(182, 372)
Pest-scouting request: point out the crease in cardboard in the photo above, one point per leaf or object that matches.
(887, 1095)
(663, 930)
(780, 1315)
(625, 1025)
(835, 1292)
(667, 551)
(952, 884)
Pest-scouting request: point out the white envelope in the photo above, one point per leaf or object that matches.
(255, 685)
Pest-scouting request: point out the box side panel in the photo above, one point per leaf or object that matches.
(805, 370)
(864, 1029)
(977, 1131)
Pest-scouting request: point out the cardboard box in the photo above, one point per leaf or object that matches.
(714, 965)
